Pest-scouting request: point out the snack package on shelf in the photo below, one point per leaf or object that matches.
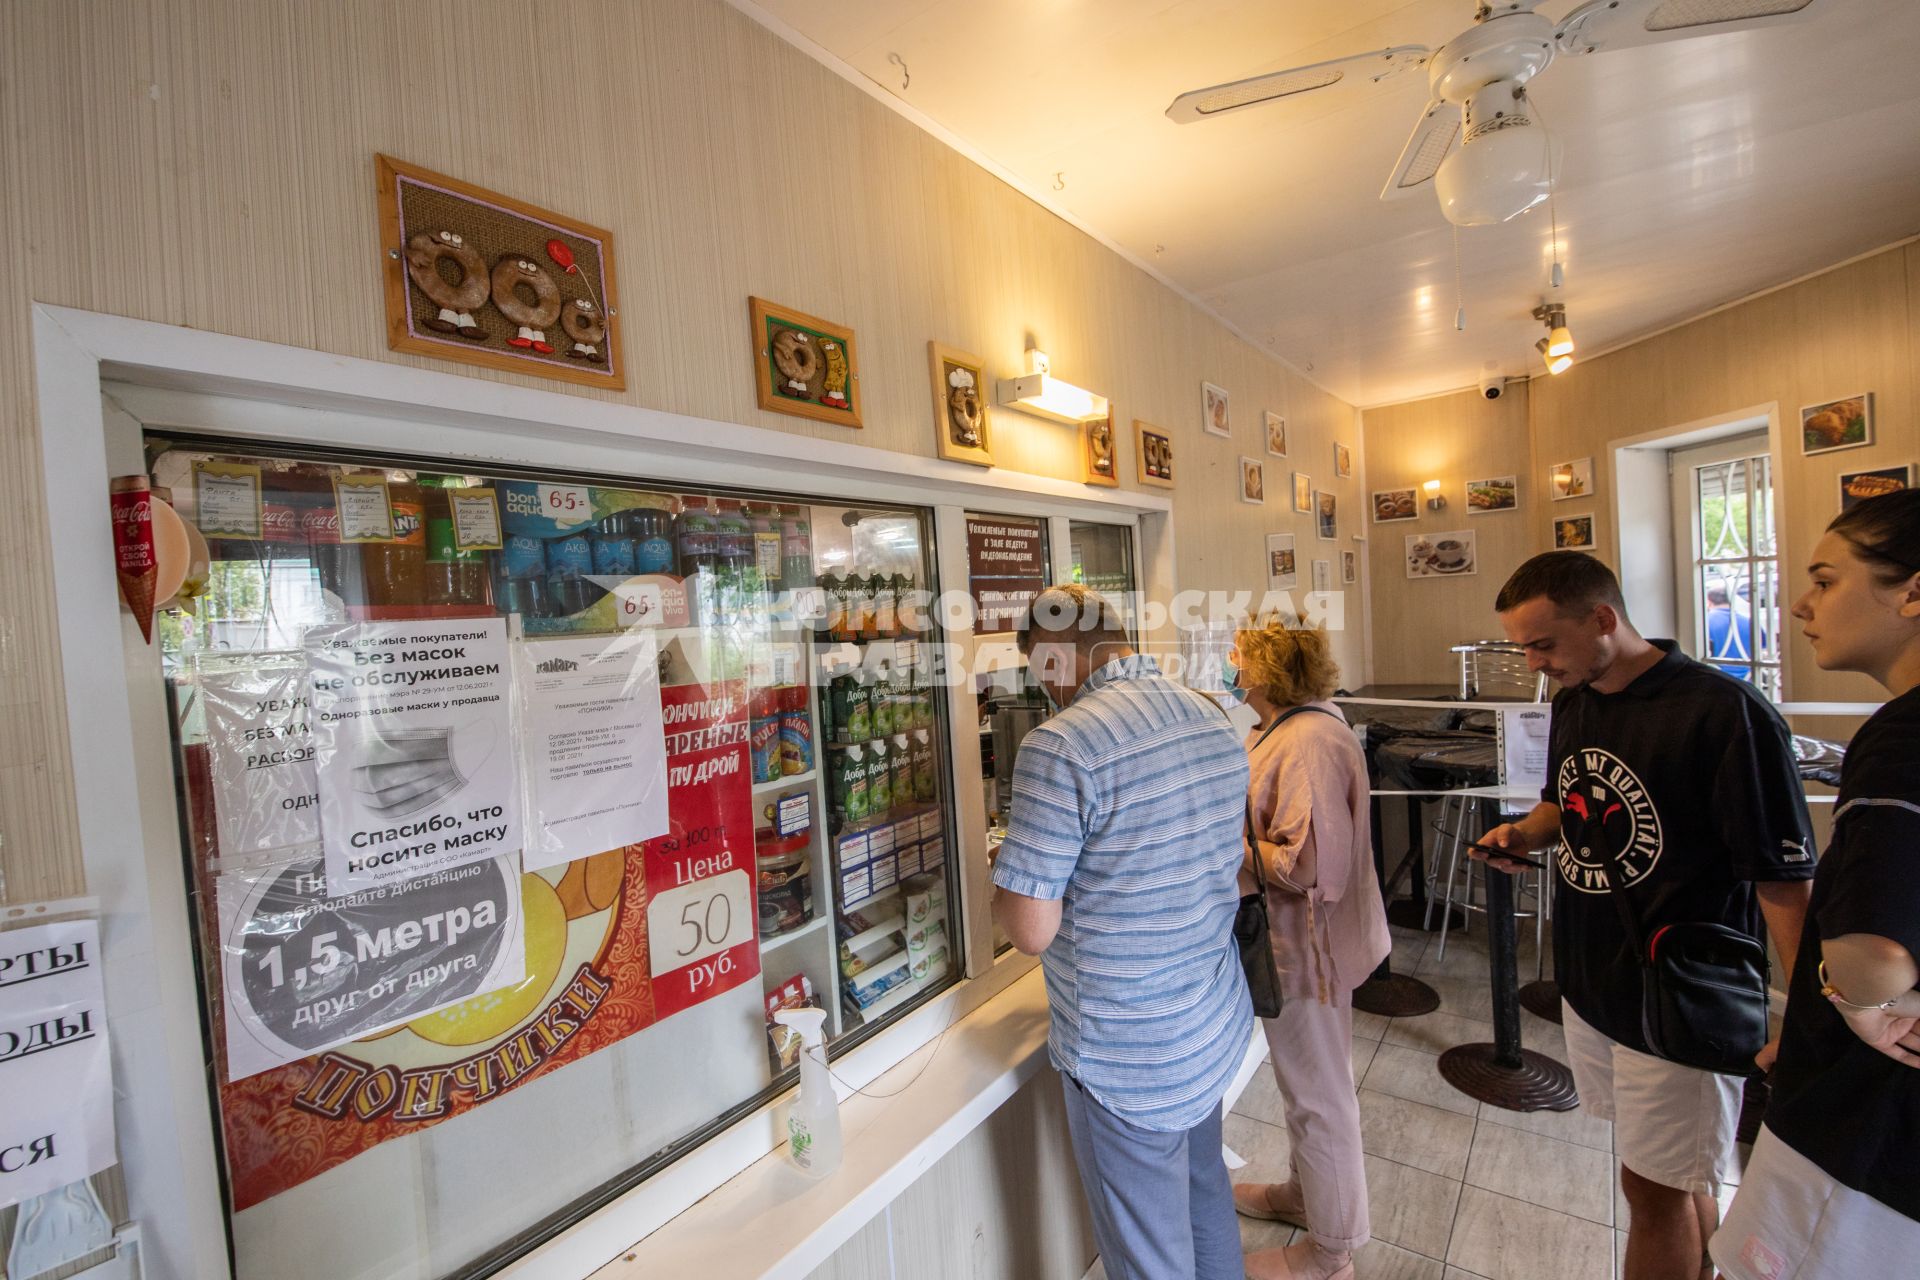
(783, 1045)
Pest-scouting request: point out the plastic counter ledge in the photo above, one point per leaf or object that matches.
(773, 1221)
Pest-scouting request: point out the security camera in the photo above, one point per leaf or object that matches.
(1493, 386)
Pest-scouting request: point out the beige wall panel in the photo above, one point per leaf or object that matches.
(867, 1256)
(1451, 439)
(210, 163)
(1849, 330)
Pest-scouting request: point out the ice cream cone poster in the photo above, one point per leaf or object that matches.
(135, 562)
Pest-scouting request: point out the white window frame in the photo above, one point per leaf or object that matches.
(1690, 569)
(116, 718)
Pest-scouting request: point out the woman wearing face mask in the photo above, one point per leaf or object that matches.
(1308, 807)
(1833, 1188)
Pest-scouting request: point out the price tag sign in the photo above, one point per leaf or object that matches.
(565, 504)
(366, 509)
(794, 815)
(476, 519)
(690, 922)
(226, 499)
(639, 604)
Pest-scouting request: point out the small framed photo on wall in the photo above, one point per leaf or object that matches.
(1276, 435)
(1253, 481)
(1573, 533)
(1282, 571)
(1571, 479)
(1349, 567)
(1390, 505)
(1342, 462)
(1213, 410)
(1326, 514)
(1846, 423)
(1858, 486)
(1302, 492)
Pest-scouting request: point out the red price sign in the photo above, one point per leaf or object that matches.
(702, 911)
(566, 503)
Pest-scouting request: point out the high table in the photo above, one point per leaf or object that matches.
(1458, 760)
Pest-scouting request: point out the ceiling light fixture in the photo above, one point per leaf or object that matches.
(1555, 364)
(1038, 392)
(1557, 347)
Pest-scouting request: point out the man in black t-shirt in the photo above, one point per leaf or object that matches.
(1684, 779)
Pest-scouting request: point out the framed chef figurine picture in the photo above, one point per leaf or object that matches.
(483, 278)
(961, 429)
(1099, 452)
(804, 365)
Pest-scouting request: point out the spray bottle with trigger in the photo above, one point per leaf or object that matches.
(813, 1122)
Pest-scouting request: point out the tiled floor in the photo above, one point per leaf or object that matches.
(1457, 1190)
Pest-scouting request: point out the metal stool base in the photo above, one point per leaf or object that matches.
(1409, 914)
(1395, 996)
(1542, 999)
(1537, 1084)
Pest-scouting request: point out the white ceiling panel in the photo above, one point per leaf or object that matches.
(1692, 173)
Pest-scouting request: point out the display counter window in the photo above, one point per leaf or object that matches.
(514, 804)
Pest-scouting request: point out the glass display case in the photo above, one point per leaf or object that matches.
(515, 803)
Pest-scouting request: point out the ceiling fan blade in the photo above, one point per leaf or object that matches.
(1359, 71)
(1601, 26)
(1432, 138)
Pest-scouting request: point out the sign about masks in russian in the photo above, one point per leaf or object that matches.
(412, 748)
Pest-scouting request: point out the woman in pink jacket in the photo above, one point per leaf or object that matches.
(1309, 810)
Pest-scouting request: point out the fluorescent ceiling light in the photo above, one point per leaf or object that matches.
(1040, 393)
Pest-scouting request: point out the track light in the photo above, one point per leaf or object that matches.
(1555, 363)
(1557, 347)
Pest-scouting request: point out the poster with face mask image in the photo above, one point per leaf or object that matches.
(411, 736)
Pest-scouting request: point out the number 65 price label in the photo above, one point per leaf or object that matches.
(690, 923)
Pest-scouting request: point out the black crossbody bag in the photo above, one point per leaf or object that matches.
(1703, 990)
(1252, 931)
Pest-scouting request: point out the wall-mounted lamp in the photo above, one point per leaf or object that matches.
(1038, 392)
(1436, 501)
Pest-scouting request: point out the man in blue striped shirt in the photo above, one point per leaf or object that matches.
(1119, 871)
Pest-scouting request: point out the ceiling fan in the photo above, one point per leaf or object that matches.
(1478, 80)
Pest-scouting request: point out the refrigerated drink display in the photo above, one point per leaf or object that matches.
(454, 576)
(396, 567)
(429, 659)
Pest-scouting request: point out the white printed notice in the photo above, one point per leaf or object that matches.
(260, 748)
(596, 753)
(56, 1074)
(302, 971)
(1523, 745)
(411, 748)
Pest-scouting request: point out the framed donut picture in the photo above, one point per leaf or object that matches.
(1100, 452)
(804, 365)
(1153, 454)
(485, 279)
(961, 428)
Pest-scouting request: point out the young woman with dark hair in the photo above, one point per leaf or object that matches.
(1833, 1188)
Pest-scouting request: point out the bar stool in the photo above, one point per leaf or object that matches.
(1460, 875)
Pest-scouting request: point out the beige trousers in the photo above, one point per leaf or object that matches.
(1312, 1047)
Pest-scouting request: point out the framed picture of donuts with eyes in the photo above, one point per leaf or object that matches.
(961, 429)
(804, 365)
(483, 278)
(1153, 454)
